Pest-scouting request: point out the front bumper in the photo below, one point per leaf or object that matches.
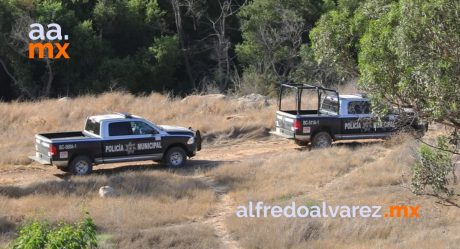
(192, 149)
(198, 140)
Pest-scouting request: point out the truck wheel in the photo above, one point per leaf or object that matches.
(321, 140)
(81, 165)
(175, 157)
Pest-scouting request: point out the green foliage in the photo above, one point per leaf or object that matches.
(267, 38)
(273, 33)
(404, 51)
(109, 47)
(433, 169)
(377, 58)
(36, 235)
(310, 71)
(255, 82)
(333, 43)
(32, 235)
(335, 38)
(410, 57)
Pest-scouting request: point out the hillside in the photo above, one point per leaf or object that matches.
(195, 207)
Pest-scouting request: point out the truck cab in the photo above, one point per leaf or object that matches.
(329, 117)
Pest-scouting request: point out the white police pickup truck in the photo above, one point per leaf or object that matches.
(112, 138)
(336, 117)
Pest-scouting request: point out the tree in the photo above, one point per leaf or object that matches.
(221, 42)
(180, 31)
(333, 42)
(8, 57)
(411, 56)
(273, 33)
(405, 52)
(335, 38)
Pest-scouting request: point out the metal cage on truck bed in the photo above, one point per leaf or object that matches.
(299, 89)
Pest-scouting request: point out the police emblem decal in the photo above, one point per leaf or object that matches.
(130, 148)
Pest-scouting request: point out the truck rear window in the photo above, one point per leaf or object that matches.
(330, 106)
(93, 126)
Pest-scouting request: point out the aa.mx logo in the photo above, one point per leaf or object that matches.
(43, 42)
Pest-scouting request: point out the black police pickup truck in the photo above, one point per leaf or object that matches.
(320, 116)
(119, 137)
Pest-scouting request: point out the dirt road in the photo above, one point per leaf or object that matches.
(208, 157)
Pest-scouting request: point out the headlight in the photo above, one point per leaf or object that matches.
(191, 140)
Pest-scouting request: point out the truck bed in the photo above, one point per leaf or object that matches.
(302, 113)
(63, 136)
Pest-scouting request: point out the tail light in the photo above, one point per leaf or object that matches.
(53, 150)
(297, 125)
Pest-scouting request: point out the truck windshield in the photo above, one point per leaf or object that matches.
(93, 126)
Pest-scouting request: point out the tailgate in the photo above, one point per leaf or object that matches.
(284, 124)
(42, 146)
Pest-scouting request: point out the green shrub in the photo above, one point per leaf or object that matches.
(433, 168)
(41, 235)
(32, 235)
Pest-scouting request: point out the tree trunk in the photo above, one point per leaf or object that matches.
(15, 81)
(49, 83)
(180, 32)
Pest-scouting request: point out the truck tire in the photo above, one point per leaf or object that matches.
(175, 157)
(81, 165)
(321, 140)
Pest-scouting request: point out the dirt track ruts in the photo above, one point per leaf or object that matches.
(211, 156)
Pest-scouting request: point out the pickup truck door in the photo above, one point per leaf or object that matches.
(132, 139)
(358, 119)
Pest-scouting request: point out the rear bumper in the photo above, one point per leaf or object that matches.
(48, 161)
(277, 132)
(40, 160)
(290, 135)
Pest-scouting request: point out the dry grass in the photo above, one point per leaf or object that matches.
(218, 118)
(293, 173)
(145, 200)
(343, 175)
(185, 237)
(161, 209)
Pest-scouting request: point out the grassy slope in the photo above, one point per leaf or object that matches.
(154, 207)
(375, 174)
(158, 208)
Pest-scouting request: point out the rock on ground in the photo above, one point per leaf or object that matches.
(106, 191)
(253, 100)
